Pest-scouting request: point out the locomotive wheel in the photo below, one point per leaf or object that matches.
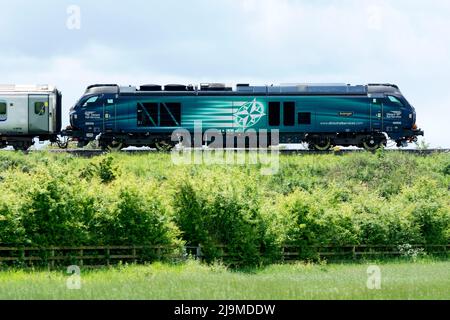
(371, 144)
(163, 146)
(322, 144)
(63, 143)
(21, 147)
(115, 146)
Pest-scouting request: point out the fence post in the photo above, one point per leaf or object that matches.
(22, 255)
(134, 254)
(158, 253)
(81, 257)
(199, 252)
(354, 252)
(52, 256)
(107, 256)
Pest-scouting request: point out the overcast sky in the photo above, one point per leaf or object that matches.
(258, 41)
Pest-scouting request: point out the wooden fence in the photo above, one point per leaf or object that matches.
(87, 255)
(106, 255)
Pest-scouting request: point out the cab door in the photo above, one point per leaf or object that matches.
(38, 114)
(109, 114)
(376, 115)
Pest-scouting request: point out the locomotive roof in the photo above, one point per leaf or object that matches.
(246, 89)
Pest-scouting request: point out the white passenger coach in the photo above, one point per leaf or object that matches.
(29, 112)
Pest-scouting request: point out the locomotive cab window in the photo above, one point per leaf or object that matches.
(274, 114)
(289, 113)
(39, 108)
(395, 100)
(91, 101)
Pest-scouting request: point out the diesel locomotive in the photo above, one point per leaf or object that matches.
(321, 115)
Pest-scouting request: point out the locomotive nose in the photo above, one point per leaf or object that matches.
(73, 118)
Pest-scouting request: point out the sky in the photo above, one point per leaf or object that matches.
(72, 44)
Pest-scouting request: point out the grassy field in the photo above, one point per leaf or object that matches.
(424, 279)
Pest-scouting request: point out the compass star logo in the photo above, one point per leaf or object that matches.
(249, 114)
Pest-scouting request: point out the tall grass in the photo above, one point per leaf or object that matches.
(399, 280)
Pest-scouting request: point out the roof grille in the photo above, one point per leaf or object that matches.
(175, 87)
(150, 87)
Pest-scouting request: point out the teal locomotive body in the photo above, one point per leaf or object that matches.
(320, 115)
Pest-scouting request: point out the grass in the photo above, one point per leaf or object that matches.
(423, 279)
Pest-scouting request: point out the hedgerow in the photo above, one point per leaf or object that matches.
(314, 200)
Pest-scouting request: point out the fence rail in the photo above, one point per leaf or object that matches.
(106, 255)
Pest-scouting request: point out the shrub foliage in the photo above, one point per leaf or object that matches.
(314, 200)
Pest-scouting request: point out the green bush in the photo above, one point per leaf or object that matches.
(103, 169)
(189, 209)
(11, 231)
(56, 213)
(446, 169)
(139, 219)
(228, 218)
(433, 221)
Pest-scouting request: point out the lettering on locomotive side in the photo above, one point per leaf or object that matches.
(92, 115)
(394, 115)
(341, 123)
(346, 114)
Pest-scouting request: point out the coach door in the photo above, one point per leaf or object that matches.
(376, 115)
(109, 114)
(38, 114)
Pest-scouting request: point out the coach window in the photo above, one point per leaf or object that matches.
(289, 113)
(274, 114)
(39, 108)
(3, 111)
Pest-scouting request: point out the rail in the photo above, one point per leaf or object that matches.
(98, 152)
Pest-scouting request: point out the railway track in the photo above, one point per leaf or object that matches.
(97, 152)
